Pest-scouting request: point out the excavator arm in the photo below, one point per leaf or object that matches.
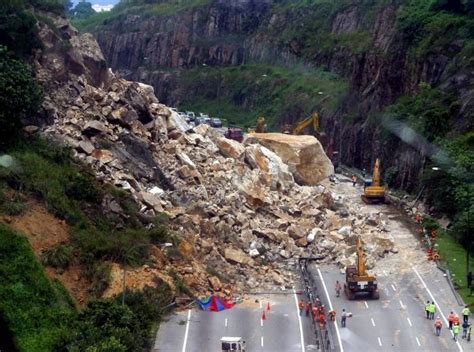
(360, 259)
(313, 119)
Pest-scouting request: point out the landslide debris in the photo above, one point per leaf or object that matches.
(243, 212)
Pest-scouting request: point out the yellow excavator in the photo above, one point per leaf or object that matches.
(259, 128)
(373, 191)
(358, 281)
(301, 125)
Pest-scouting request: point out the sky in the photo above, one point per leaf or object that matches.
(100, 5)
(100, 2)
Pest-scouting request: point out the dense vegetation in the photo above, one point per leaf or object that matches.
(37, 311)
(69, 190)
(242, 93)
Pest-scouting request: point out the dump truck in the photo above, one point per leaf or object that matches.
(358, 281)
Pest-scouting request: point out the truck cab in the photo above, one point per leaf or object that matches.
(230, 344)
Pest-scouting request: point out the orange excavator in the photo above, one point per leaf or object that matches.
(358, 281)
(373, 191)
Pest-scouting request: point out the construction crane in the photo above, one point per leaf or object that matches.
(373, 191)
(358, 281)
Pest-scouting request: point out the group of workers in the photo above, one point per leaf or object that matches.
(317, 310)
(453, 320)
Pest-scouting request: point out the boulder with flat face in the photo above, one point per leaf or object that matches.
(304, 155)
(275, 172)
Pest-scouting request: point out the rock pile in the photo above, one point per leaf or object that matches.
(237, 206)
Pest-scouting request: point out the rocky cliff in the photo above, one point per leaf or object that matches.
(365, 42)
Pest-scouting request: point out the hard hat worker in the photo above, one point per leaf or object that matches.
(465, 313)
(438, 325)
(451, 320)
(432, 309)
(343, 318)
(301, 305)
(456, 329)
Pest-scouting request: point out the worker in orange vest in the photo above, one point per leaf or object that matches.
(308, 308)
(438, 325)
(332, 315)
(354, 180)
(315, 312)
(322, 320)
(451, 320)
(301, 306)
(456, 319)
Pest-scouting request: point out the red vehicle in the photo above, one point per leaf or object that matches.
(235, 133)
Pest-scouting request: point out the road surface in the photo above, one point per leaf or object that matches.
(280, 332)
(395, 322)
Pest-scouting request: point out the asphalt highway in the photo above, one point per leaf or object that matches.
(283, 330)
(395, 322)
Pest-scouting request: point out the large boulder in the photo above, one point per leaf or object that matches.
(304, 155)
(230, 148)
(275, 172)
(236, 256)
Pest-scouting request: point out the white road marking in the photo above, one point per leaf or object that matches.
(373, 322)
(409, 321)
(261, 322)
(402, 305)
(366, 305)
(393, 287)
(260, 304)
(187, 331)
(225, 322)
(331, 308)
(418, 342)
(299, 322)
(261, 341)
(436, 303)
(380, 341)
(385, 273)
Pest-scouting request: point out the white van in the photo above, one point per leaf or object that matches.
(232, 344)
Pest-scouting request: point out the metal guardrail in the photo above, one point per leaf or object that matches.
(324, 340)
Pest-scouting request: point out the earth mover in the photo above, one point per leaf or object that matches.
(373, 191)
(358, 281)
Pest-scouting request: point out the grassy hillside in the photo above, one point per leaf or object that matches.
(37, 311)
(242, 93)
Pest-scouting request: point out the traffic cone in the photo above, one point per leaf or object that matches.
(268, 306)
(264, 317)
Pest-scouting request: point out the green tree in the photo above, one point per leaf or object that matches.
(106, 326)
(83, 9)
(20, 96)
(68, 4)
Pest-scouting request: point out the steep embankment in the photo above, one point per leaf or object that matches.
(383, 50)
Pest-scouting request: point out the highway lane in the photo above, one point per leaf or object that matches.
(280, 332)
(395, 322)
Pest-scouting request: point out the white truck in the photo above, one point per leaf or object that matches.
(230, 344)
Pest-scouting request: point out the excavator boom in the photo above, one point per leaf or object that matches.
(358, 281)
(374, 193)
(313, 119)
